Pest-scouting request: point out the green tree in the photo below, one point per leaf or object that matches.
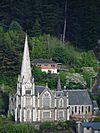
(59, 55)
(15, 26)
(75, 81)
(88, 59)
(36, 28)
(88, 74)
(3, 101)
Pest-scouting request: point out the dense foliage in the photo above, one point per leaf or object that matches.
(3, 102)
(97, 98)
(57, 126)
(97, 119)
(47, 16)
(20, 128)
(8, 126)
(11, 43)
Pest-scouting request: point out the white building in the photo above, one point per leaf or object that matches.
(38, 103)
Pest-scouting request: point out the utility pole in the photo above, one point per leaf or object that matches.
(65, 21)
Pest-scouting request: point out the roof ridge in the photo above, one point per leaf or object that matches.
(76, 90)
(39, 86)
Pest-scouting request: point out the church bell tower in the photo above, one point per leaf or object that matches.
(25, 97)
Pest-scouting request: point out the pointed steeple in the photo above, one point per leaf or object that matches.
(26, 68)
(59, 84)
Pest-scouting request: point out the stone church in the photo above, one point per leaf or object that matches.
(33, 103)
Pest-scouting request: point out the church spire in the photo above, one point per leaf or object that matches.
(26, 68)
(59, 84)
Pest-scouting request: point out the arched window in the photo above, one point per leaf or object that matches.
(86, 110)
(61, 103)
(89, 108)
(46, 99)
(82, 109)
(79, 110)
(75, 109)
(72, 110)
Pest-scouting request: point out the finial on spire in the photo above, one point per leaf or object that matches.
(59, 84)
(46, 85)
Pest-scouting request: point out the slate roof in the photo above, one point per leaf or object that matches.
(59, 93)
(94, 125)
(79, 97)
(42, 61)
(39, 89)
(76, 97)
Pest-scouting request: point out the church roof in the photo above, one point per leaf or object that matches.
(39, 89)
(76, 97)
(59, 93)
(79, 97)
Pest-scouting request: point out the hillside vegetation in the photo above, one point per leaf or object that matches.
(46, 46)
(47, 17)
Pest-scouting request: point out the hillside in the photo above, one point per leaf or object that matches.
(48, 17)
(46, 46)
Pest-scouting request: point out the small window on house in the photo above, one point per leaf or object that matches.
(45, 64)
(52, 65)
(39, 65)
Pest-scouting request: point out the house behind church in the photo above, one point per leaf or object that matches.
(46, 65)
